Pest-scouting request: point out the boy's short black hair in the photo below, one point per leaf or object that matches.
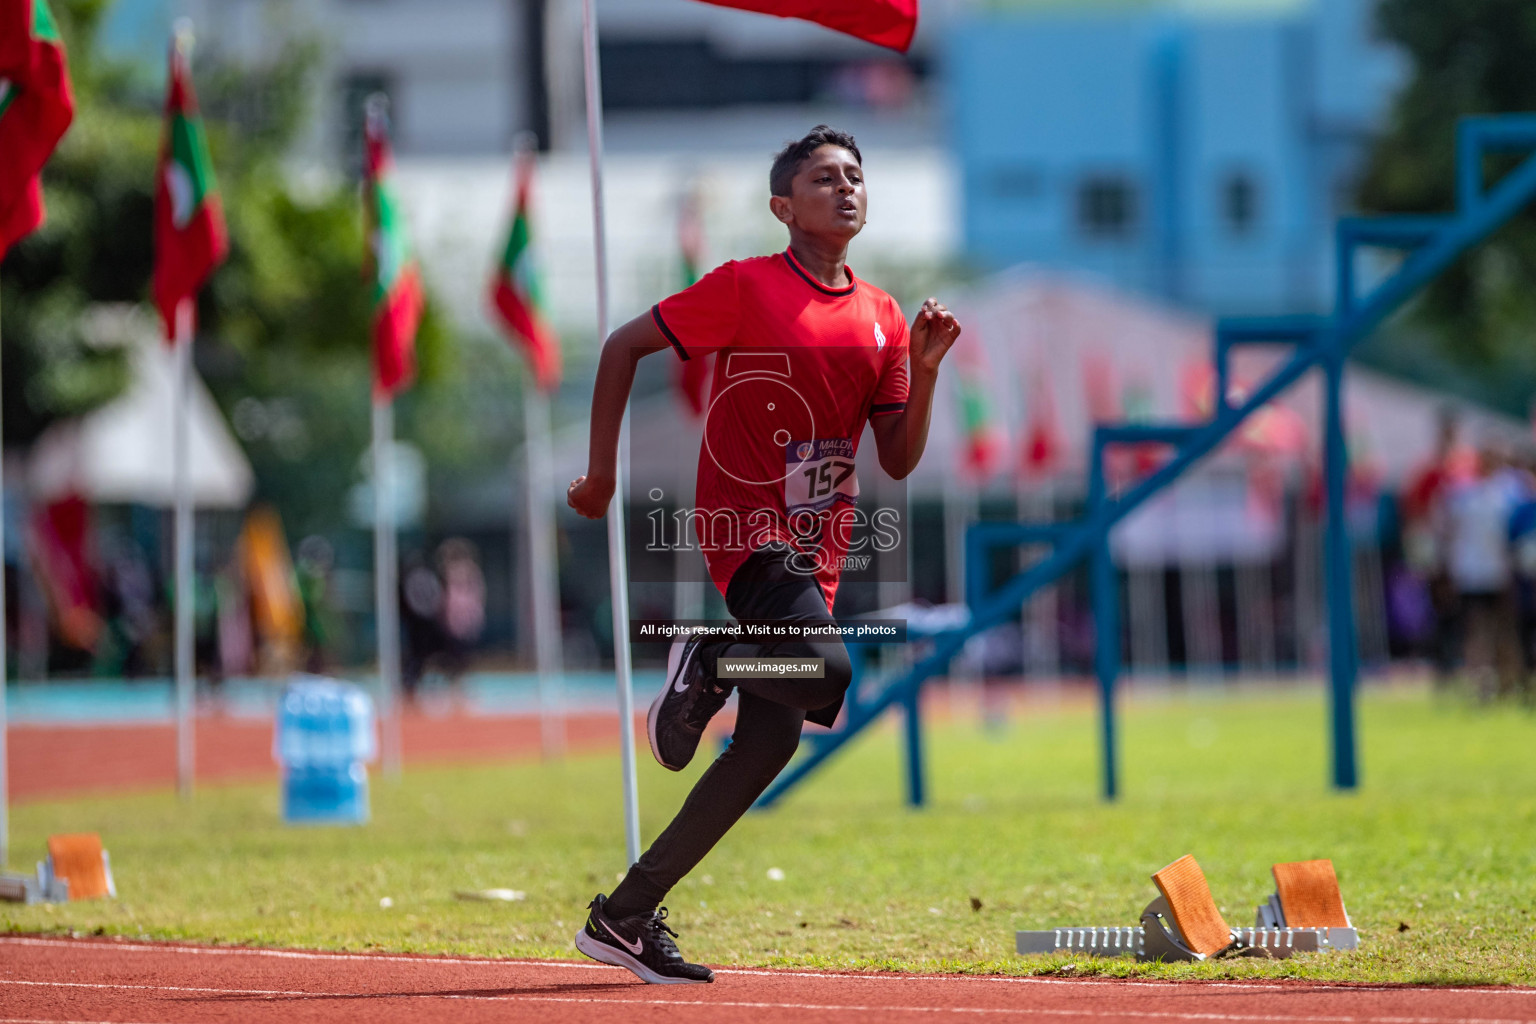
(787, 163)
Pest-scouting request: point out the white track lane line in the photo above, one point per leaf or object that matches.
(56, 1020)
(577, 965)
(125, 987)
(860, 1008)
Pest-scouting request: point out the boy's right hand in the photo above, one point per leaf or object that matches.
(589, 495)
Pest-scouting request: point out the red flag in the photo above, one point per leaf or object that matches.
(397, 294)
(515, 286)
(982, 440)
(36, 106)
(190, 239)
(1140, 406)
(1275, 429)
(61, 558)
(1042, 445)
(23, 217)
(692, 374)
(1197, 389)
(889, 23)
(1100, 388)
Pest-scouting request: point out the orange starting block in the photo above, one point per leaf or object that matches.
(1306, 896)
(1305, 915)
(77, 868)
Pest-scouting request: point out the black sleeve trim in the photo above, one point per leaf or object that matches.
(887, 407)
(662, 326)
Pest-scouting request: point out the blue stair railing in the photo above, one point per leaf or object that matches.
(1429, 245)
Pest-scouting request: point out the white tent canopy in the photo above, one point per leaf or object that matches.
(1030, 321)
(121, 453)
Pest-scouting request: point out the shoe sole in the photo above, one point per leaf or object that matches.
(606, 954)
(674, 667)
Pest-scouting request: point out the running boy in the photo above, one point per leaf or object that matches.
(808, 354)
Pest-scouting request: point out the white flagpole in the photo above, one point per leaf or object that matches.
(618, 573)
(186, 681)
(543, 573)
(385, 589)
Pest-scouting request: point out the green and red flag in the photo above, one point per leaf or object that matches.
(397, 292)
(889, 23)
(1041, 449)
(190, 239)
(1099, 388)
(23, 217)
(692, 374)
(61, 557)
(1140, 406)
(36, 106)
(982, 440)
(515, 293)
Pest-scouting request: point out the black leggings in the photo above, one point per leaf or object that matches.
(769, 715)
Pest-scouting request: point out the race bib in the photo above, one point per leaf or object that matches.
(819, 474)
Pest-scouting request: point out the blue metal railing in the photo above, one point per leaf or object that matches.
(1432, 243)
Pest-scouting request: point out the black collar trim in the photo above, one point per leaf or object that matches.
(794, 265)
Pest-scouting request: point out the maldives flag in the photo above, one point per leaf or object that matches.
(397, 294)
(36, 106)
(1041, 451)
(1099, 388)
(1140, 406)
(190, 239)
(883, 22)
(1197, 389)
(692, 374)
(515, 287)
(982, 440)
(23, 217)
(60, 552)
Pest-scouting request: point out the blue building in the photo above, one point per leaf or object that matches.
(1196, 153)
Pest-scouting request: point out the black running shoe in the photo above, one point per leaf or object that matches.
(683, 708)
(642, 944)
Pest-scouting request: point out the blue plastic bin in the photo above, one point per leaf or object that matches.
(326, 733)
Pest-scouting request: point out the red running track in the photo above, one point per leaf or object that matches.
(65, 760)
(59, 980)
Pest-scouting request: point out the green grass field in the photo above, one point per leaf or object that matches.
(1436, 853)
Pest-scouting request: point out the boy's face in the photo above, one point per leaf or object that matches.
(826, 196)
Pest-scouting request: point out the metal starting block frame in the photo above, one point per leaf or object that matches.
(39, 888)
(1159, 938)
(76, 868)
(43, 887)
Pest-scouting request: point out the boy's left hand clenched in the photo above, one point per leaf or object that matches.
(934, 330)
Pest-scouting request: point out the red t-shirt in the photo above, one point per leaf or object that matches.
(801, 368)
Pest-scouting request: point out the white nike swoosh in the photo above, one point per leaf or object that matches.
(635, 949)
(678, 684)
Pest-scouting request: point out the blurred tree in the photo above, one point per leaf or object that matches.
(283, 324)
(1470, 57)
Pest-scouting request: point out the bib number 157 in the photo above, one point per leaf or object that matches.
(819, 474)
(823, 480)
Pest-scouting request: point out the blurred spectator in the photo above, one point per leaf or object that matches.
(276, 611)
(1424, 495)
(421, 617)
(463, 606)
(1479, 561)
(316, 559)
(136, 638)
(1522, 536)
(237, 645)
